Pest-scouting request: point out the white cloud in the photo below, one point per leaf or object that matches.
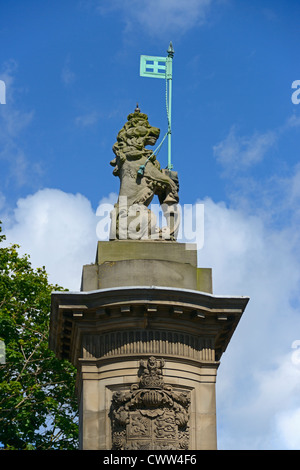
(288, 427)
(158, 17)
(240, 152)
(265, 416)
(110, 199)
(292, 121)
(58, 231)
(88, 119)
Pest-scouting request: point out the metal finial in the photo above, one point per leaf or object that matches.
(137, 109)
(171, 51)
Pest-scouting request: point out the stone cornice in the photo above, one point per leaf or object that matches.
(145, 308)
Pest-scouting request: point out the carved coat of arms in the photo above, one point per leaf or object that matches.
(151, 415)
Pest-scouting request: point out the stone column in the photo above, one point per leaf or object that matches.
(146, 335)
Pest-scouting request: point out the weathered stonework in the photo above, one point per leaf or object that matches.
(141, 178)
(105, 333)
(170, 343)
(146, 263)
(151, 415)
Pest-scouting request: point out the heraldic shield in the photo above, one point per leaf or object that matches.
(151, 415)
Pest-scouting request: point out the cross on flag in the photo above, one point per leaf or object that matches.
(153, 66)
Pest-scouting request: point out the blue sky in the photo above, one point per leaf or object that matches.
(71, 70)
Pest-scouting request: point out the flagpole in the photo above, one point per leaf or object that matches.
(161, 67)
(169, 60)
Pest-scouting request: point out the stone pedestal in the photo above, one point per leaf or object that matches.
(146, 335)
(122, 263)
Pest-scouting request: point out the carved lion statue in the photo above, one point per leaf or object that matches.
(141, 177)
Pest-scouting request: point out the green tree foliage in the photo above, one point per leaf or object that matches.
(38, 408)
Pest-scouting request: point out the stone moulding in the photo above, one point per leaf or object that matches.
(124, 320)
(132, 342)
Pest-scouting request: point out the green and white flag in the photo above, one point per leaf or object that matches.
(161, 67)
(154, 67)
